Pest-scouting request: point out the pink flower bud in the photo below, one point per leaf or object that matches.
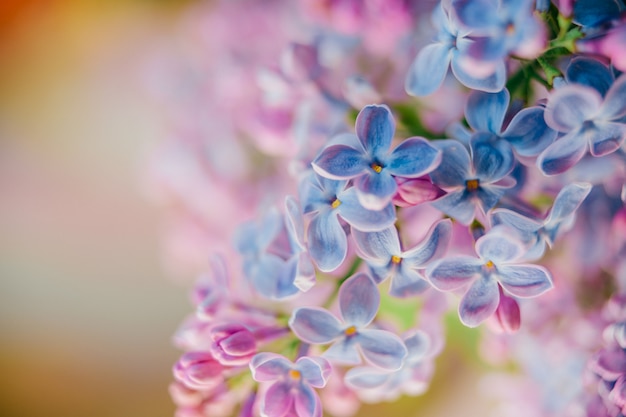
(507, 318)
(233, 344)
(199, 370)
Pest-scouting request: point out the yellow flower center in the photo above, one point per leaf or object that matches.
(490, 265)
(471, 185)
(396, 259)
(294, 374)
(377, 168)
(350, 331)
(336, 203)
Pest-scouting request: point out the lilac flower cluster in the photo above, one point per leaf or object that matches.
(374, 211)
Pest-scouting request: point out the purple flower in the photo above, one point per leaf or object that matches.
(471, 181)
(588, 121)
(292, 390)
(359, 300)
(383, 253)
(272, 257)
(497, 266)
(499, 28)
(535, 233)
(375, 384)
(325, 201)
(527, 132)
(452, 49)
(369, 162)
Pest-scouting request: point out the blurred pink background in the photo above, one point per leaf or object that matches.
(86, 309)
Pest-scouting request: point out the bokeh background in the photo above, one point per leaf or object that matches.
(86, 308)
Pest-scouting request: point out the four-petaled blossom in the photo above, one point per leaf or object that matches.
(369, 162)
(476, 180)
(383, 253)
(497, 265)
(273, 260)
(588, 121)
(291, 393)
(527, 132)
(325, 201)
(537, 234)
(452, 49)
(375, 384)
(499, 28)
(359, 300)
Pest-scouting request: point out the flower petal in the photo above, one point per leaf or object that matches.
(344, 352)
(452, 273)
(528, 132)
(359, 300)
(375, 127)
(315, 325)
(366, 377)
(567, 201)
(454, 167)
(492, 83)
(428, 69)
(479, 302)
(524, 280)
(589, 72)
(569, 106)
(406, 283)
(485, 111)
(340, 162)
(277, 400)
(605, 137)
(382, 348)
(413, 158)
(361, 218)
(378, 246)
(562, 154)
(457, 204)
(307, 403)
(267, 366)
(375, 190)
(526, 228)
(431, 247)
(315, 370)
(614, 106)
(327, 241)
(497, 246)
(492, 159)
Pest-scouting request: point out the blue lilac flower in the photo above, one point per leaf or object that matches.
(499, 28)
(359, 300)
(498, 265)
(375, 384)
(527, 132)
(272, 260)
(369, 161)
(588, 121)
(383, 253)
(451, 49)
(291, 392)
(539, 233)
(325, 201)
(471, 181)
